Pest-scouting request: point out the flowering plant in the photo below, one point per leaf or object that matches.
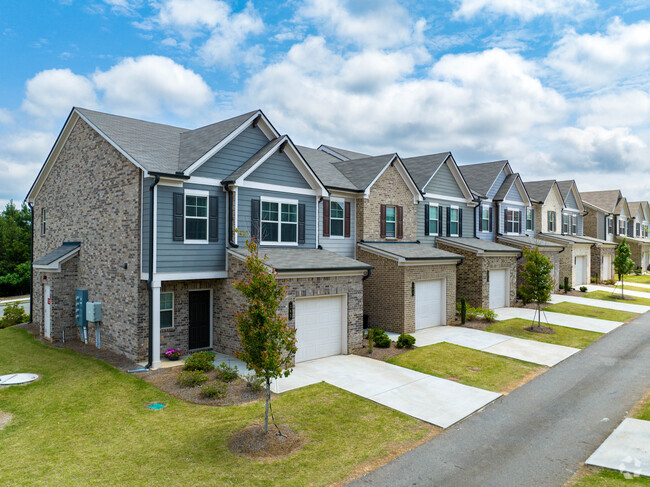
(173, 354)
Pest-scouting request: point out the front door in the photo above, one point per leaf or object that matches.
(47, 311)
(199, 319)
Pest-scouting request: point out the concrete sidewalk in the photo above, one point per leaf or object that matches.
(569, 321)
(636, 294)
(599, 303)
(627, 449)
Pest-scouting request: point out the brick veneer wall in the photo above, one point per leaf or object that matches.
(567, 259)
(637, 250)
(590, 224)
(92, 195)
(228, 300)
(427, 273)
(553, 255)
(597, 264)
(472, 275)
(389, 189)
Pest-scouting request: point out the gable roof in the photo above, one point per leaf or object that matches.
(566, 187)
(342, 154)
(539, 190)
(422, 168)
(641, 205)
(510, 179)
(607, 201)
(480, 177)
(621, 207)
(321, 162)
(362, 172)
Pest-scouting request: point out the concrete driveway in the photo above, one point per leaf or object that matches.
(617, 291)
(627, 449)
(632, 308)
(570, 321)
(437, 401)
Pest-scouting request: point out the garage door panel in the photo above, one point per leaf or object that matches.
(429, 302)
(580, 268)
(319, 329)
(498, 288)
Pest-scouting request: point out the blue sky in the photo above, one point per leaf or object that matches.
(561, 88)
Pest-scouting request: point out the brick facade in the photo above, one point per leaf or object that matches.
(598, 264)
(389, 189)
(472, 275)
(567, 261)
(92, 195)
(553, 255)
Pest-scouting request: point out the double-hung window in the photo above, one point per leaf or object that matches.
(638, 229)
(565, 223)
(166, 310)
(485, 218)
(43, 220)
(551, 221)
(391, 220)
(337, 218)
(196, 216)
(512, 221)
(280, 222)
(574, 224)
(434, 219)
(529, 219)
(621, 227)
(610, 225)
(453, 221)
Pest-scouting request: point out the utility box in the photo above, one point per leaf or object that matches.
(80, 300)
(93, 311)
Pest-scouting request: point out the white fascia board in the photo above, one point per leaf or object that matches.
(275, 187)
(225, 142)
(576, 196)
(333, 153)
(345, 194)
(176, 183)
(453, 167)
(522, 191)
(447, 198)
(414, 263)
(184, 276)
(204, 181)
(56, 265)
(597, 208)
(311, 273)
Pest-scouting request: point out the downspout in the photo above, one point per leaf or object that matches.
(150, 278)
(230, 233)
(477, 215)
(367, 275)
(31, 268)
(497, 227)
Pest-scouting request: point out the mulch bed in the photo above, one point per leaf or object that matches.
(239, 392)
(379, 353)
(252, 442)
(476, 324)
(540, 329)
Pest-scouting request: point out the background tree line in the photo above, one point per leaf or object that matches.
(15, 248)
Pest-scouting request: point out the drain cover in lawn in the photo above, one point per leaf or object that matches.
(156, 406)
(13, 379)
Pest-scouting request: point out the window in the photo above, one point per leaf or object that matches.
(638, 229)
(279, 222)
(166, 310)
(512, 221)
(610, 225)
(337, 218)
(621, 227)
(196, 216)
(433, 219)
(551, 221)
(453, 222)
(43, 218)
(529, 218)
(390, 221)
(565, 224)
(485, 218)
(574, 224)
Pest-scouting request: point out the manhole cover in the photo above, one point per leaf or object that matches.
(13, 379)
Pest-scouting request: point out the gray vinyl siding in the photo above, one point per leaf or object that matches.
(343, 246)
(496, 185)
(502, 219)
(570, 201)
(146, 232)
(443, 183)
(514, 195)
(244, 196)
(177, 256)
(233, 155)
(600, 225)
(278, 169)
(489, 236)
(468, 219)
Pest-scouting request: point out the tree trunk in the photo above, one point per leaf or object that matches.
(268, 401)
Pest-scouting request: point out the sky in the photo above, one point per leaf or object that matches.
(560, 88)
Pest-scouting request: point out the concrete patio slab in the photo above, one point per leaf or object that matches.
(532, 351)
(627, 449)
(431, 399)
(240, 365)
(569, 321)
(632, 308)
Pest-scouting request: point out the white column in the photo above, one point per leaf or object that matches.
(155, 338)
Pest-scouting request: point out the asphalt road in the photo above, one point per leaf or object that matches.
(539, 434)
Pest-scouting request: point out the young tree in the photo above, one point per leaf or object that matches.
(539, 284)
(623, 263)
(267, 342)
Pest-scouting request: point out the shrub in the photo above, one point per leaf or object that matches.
(405, 341)
(567, 288)
(226, 373)
(215, 390)
(463, 310)
(525, 294)
(561, 286)
(638, 270)
(192, 378)
(254, 381)
(489, 315)
(471, 313)
(380, 338)
(14, 314)
(203, 361)
(583, 289)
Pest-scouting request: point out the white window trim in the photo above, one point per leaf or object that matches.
(172, 310)
(342, 202)
(568, 223)
(457, 221)
(532, 219)
(437, 220)
(279, 201)
(574, 218)
(43, 221)
(485, 207)
(386, 222)
(196, 192)
(550, 213)
(515, 211)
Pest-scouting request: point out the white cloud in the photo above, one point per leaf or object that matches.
(592, 60)
(5, 116)
(188, 15)
(52, 93)
(525, 9)
(124, 7)
(146, 85)
(374, 24)
(625, 108)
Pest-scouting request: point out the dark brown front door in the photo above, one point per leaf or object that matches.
(199, 323)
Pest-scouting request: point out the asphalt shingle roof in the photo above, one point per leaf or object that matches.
(57, 253)
(412, 251)
(570, 239)
(299, 259)
(421, 168)
(477, 244)
(605, 200)
(565, 187)
(539, 190)
(481, 176)
(361, 172)
(505, 187)
(527, 241)
(347, 153)
(321, 162)
(253, 160)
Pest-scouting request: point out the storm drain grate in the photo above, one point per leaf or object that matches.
(14, 379)
(156, 406)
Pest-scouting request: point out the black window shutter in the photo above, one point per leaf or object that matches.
(326, 217)
(460, 222)
(382, 221)
(400, 221)
(255, 219)
(426, 219)
(480, 218)
(520, 220)
(440, 230)
(301, 223)
(347, 218)
(179, 215)
(448, 221)
(213, 219)
(490, 219)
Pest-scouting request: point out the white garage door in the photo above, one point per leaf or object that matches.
(429, 303)
(498, 288)
(607, 267)
(319, 327)
(580, 271)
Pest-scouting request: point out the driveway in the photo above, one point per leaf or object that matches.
(627, 449)
(570, 321)
(437, 401)
(617, 291)
(632, 308)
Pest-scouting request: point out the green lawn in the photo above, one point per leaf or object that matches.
(644, 413)
(607, 296)
(86, 423)
(632, 288)
(610, 478)
(470, 367)
(590, 311)
(639, 279)
(569, 337)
